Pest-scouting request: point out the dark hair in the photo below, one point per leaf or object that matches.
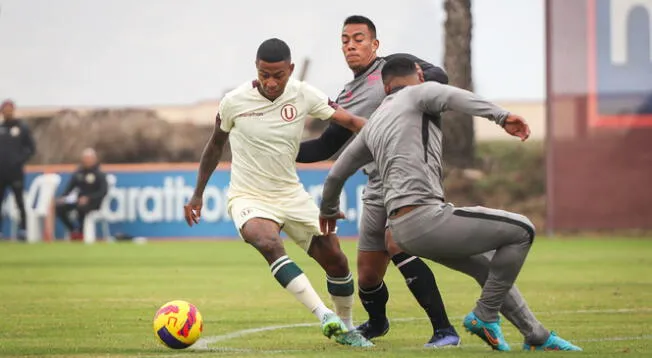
(273, 50)
(399, 66)
(359, 19)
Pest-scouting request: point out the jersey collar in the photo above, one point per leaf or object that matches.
(369, 68)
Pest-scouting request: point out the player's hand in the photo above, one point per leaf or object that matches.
(83, 200)
(516, 126)
(328, 224)
(192, 210)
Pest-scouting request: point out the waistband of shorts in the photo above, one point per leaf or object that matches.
(398, 212)
(402, 210)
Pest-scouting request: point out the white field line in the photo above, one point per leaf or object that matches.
(203, 343)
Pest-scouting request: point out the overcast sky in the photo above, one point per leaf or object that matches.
(141, 52)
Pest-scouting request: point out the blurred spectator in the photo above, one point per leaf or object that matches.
(16, 147)
(84, 193)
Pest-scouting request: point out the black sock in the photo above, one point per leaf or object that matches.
(423, 286)
(374, 300)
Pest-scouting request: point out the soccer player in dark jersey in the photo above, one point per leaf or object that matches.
(362, 96)
(413, 194)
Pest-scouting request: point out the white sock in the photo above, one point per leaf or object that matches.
(344, 309)
(290, 276)
(343, 304)
(303, 291)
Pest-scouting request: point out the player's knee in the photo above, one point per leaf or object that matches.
(529, 228)
(372, 266)
(327, 248)
(268, 245)
(333, 261)
(368, 276)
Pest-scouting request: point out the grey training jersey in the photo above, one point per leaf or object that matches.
(361, 97)
(403, 138)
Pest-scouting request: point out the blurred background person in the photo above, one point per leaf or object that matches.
(16, 147)
(84, 193)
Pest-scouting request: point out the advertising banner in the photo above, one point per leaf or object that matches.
(147, 200)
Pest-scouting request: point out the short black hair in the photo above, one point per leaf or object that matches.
(399, 66)
(273, 50)
(359, 19)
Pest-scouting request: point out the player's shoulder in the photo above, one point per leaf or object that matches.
(303, 90)
(242, 90)
(239, 98)
(298, 86)
(427, 86)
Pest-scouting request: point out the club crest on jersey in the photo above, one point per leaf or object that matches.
(90, 178)
(288, 113)
(245, 212)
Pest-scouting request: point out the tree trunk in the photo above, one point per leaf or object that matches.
(459, 137)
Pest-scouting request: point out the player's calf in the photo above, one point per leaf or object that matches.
(327, 252)
(339, 280)
(515, 309)
(422, 283)
(373, 293)
(374, 300)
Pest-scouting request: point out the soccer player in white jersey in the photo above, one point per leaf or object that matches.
(264, 121)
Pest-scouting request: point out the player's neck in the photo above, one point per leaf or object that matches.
(399, 83)
(271, 99)
(359, 72)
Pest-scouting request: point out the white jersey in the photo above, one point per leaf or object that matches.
(265, 137)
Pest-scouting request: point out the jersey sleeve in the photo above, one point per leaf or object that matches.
(225, 115)
(354, 157)
(324, 147)
(434, 98)
(318, 103)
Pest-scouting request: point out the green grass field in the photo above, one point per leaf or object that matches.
(69, 299)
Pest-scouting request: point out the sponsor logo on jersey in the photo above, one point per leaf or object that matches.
(251, 114)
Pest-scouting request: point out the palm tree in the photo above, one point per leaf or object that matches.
(459, 138)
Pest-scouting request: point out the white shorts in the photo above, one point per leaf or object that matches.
(298, 216)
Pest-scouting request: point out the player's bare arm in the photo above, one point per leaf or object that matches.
(354, 157)
(210, 157)
(348, 120)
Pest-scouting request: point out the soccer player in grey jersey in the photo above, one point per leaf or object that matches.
(411, 173)
(361, 96)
